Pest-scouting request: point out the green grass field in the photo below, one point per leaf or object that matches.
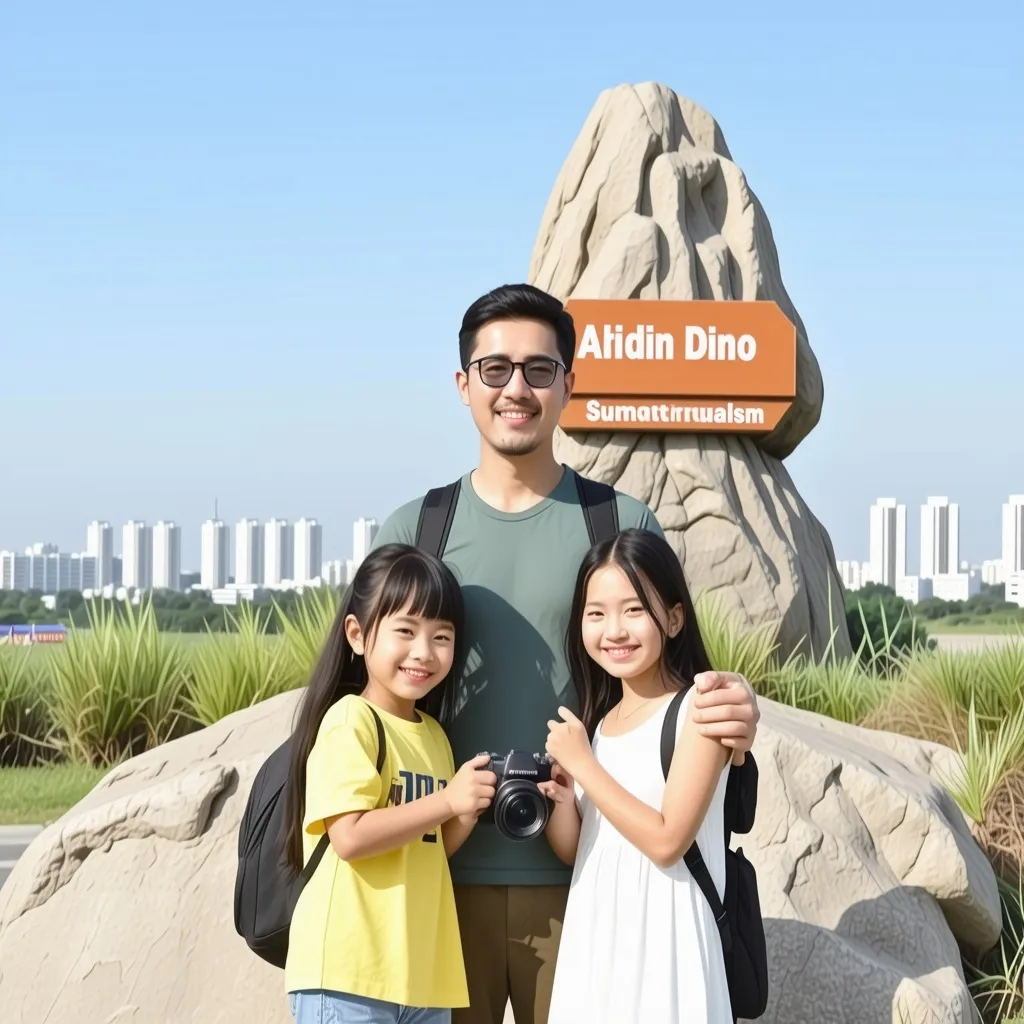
(41, 794)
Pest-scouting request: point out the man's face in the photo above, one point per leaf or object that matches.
(515, 417)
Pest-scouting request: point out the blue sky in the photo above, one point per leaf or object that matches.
(237, 239)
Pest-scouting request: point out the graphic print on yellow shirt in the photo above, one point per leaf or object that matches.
(383, 927)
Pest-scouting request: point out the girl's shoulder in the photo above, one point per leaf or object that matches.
(351, 711)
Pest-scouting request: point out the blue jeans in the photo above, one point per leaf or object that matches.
(318, 1007)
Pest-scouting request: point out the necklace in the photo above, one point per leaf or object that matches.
(644, 701)
(619, 715)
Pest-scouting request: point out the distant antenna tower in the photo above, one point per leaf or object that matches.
(215, 516)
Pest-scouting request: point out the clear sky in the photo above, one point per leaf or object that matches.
(237, 239)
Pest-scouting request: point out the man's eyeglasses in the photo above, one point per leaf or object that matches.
(496, 371)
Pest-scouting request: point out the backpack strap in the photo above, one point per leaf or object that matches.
(436, 514)
(692, 857)
(325, 840)
(600, 508)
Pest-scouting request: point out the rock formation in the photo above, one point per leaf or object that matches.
(650, 205)
(122, 910)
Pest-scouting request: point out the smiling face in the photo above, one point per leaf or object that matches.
(407, 655)
(618, 632)
(515, 417)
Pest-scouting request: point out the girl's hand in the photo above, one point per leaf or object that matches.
(561, 788)
(568, 743)
(472, 789)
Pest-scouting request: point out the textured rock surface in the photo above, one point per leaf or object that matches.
(650, 205)
(122, 911)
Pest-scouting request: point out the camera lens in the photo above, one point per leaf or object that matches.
(521, 811)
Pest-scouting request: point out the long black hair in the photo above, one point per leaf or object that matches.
(644, 557)
(392, 578)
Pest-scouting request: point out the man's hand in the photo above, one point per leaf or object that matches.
(725, 707)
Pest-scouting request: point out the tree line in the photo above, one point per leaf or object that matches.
(192, 611)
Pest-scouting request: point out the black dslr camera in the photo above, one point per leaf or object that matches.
(519, 809)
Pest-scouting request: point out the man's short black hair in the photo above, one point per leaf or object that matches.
(518, 302)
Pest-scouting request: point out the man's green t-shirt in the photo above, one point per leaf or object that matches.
(517, 571)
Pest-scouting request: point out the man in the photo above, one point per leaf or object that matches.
(516, 542)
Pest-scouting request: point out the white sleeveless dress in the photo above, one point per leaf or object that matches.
(639, 944)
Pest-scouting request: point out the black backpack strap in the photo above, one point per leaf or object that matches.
(325, 840)
(600, 508)
(436, 515)
(692, 857)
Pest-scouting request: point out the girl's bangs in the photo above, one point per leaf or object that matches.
(415, 586)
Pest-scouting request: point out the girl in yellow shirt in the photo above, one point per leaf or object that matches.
(374, 935)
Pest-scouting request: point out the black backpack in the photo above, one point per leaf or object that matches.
(266, 886)
(739, 919)
(437, 512)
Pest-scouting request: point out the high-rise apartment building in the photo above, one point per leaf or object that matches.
(137, 555)
(215, 555)
(887, 542)
(42, 567)
(363, 533)
(248, 553)
(166, 556)
(309, 543)
(1013, 535)
(99, 543)
(940, 538)
(278, 552)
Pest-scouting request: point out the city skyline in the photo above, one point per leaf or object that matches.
(941, 570)
(150, 556)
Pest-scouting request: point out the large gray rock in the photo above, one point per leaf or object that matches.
(122, 910)
(650, 205)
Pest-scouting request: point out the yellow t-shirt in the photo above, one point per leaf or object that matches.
(382, 927)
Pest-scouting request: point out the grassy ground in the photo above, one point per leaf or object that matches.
(41, 794)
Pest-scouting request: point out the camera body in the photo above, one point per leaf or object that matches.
(519, 810)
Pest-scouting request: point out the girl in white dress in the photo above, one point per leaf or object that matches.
(639, 942)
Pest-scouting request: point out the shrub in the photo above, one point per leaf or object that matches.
(305, 631)
(24, 718)
(235, 670)
(116, 689)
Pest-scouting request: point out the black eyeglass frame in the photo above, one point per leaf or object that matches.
(513, 366)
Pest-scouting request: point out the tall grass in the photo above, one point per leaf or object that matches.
(306, 633)
(238, 669)
(116, 689)
(24, 716)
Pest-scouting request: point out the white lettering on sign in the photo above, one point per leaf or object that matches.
(647, 343)
(643, 343)
(701, 344)
(674, 412)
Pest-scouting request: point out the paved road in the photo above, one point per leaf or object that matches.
(973, 641)
(14, 839)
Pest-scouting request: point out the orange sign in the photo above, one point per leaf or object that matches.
(652, 364)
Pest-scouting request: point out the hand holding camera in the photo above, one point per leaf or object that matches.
(561, 788)
(520, 810)
(472, 789)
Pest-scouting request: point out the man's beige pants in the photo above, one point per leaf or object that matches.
(510, 939)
